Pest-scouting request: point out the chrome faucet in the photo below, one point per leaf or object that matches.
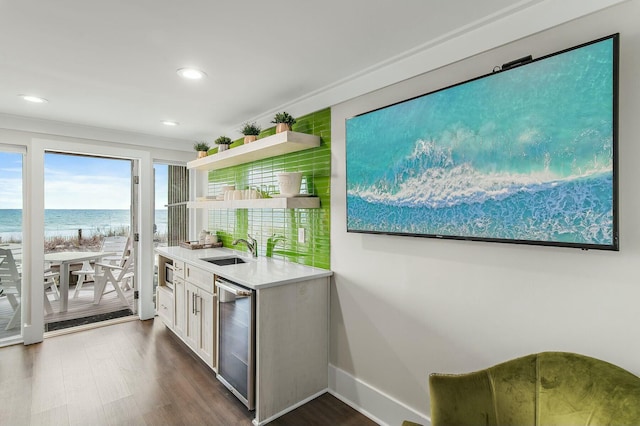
(251, 243)
(271, 243)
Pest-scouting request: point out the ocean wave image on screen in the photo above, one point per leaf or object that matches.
(522, 155)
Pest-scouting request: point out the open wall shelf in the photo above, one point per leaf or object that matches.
(270, 146)
(262, 203)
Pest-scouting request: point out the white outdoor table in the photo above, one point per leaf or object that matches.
(65, 258)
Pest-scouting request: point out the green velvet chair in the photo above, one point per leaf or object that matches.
(549, 388)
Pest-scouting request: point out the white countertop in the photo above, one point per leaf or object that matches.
(261, 272)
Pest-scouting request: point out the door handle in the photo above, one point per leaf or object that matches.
(238, 291)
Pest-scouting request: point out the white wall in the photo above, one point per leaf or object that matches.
(405, 307)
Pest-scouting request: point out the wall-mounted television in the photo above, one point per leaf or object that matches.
(526, 154)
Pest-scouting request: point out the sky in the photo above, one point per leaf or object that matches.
(77, 182)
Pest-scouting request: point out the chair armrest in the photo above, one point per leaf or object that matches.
(108, 266)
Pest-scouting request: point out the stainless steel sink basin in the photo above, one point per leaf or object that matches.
(223, 261)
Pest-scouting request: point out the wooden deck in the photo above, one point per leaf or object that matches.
(78, 308)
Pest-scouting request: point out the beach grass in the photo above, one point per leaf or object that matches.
(91, 242)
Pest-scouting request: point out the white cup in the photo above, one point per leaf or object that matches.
(238, 194)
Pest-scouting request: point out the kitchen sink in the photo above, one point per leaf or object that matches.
(223, 261)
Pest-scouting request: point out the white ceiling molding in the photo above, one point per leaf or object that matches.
(494, 31)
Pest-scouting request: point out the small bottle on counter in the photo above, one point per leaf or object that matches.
(211, 239)
(202, 238)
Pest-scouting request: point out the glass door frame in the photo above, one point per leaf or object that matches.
(20, 149)
(33, 225)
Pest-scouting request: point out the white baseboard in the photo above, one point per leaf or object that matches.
(371, 402)
(285, 411)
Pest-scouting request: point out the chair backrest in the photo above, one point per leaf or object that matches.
(9, 275)
(119, 245)
(549, 388)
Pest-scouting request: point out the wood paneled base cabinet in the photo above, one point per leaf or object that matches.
(292, 335)
(193, 312)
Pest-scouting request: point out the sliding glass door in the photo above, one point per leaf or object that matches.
(11, 238)
(90, 235)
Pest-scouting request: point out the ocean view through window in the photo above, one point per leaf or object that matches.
(65, 223)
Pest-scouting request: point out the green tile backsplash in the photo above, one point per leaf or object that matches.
(315, 165)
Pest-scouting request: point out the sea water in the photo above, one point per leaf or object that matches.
(522, 155)
(66, 223)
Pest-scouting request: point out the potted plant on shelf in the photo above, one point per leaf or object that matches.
(250, 131)
(223, 143)
(283, 121)
(202, 148)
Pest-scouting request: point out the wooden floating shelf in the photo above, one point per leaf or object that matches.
(262, 203)
(270, 146)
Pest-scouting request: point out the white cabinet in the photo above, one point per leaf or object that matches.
(192, 326)
(200, 325)
(188, 308)
(164, 304)
(292, 341)
(180, 317)
(291, 333)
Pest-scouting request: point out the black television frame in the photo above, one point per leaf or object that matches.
(509, 66)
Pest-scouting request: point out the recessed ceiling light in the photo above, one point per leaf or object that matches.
(34, 99)
(170, 123)
(191, 73)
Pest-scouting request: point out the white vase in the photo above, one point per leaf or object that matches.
(222, 147)
(289, 183)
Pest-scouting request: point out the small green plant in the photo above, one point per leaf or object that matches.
(201, 146)
(223, 140)
(250, 129)
(284, 117)
(264, 193)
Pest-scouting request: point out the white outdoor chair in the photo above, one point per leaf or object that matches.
(118, 276)
(51, 280)
(119, 245)
(11, 284)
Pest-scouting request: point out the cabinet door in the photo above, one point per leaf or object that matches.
(164, 302)
(178, 269)
(207, 312)
(192, 325)
(180, 317)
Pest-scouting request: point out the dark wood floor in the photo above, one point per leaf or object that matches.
(135, 373)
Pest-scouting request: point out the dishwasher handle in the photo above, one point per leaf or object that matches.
(237, 291)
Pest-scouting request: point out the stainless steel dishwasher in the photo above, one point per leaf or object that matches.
(236, 350)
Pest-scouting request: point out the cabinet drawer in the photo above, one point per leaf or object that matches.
(199, 277)
(178, 268)
(164, 305)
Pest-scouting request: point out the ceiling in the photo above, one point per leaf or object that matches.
(112, 64)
